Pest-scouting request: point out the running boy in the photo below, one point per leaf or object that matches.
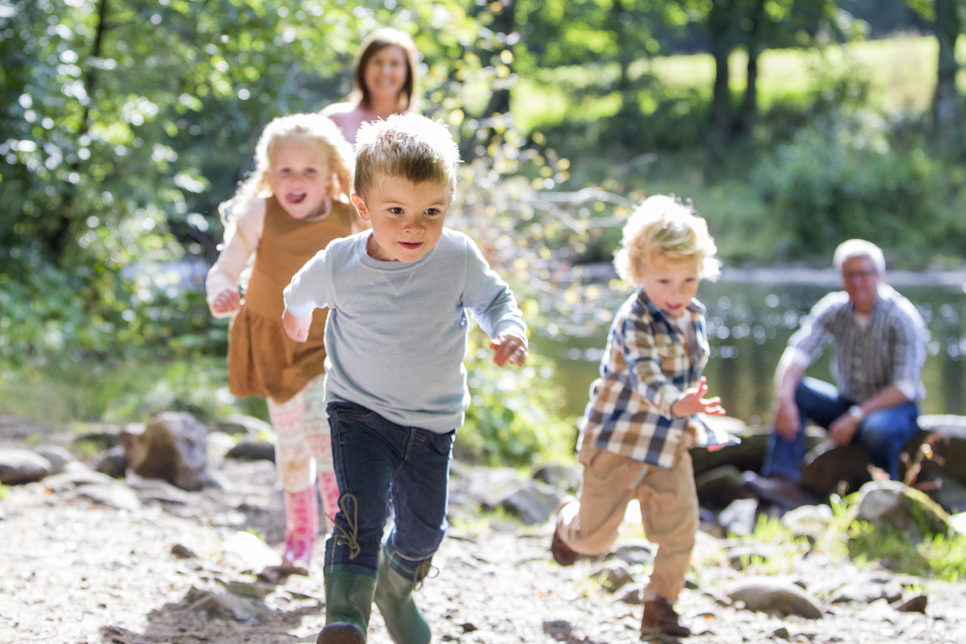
(644, 410)
(395, 383)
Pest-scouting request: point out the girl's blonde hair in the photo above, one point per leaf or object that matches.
(318, 129)
(664, 229)
(380, 39)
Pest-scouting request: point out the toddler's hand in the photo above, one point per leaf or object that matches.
(296, 328)
(509, 346)
(693, 402)
(226, 301)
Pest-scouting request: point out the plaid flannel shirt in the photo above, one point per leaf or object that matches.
(647, 365)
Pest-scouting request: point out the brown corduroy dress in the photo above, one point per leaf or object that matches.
(262, 360)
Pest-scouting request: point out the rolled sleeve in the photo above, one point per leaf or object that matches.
(910, 348)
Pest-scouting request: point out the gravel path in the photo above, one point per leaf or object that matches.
(75, 570)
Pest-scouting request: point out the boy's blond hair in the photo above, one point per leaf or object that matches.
(405, 145)
(664, 229)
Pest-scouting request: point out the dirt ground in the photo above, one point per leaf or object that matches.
(74, 570)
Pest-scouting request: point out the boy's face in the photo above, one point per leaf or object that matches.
(406, 217)
(670, 286)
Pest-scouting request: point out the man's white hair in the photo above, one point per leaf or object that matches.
(859, 248)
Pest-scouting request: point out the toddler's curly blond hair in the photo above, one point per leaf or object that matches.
(663, 229)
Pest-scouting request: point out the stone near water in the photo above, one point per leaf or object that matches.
(774, 596)
(808, 520)
(531, 502)
(894, 504)
(56, 455)
(829, 464)
(19, 465)
(182, 551)
(114, 463)
(867, 591)
(915, 604)
(171, 447)
(720, 486)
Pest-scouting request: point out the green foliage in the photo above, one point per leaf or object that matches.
(512, 419)
(939, 555)
(4, 491)
(841, 178)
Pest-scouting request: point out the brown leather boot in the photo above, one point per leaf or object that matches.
(660, 618)
(561, 552)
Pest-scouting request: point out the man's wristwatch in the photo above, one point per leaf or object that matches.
(856, 413)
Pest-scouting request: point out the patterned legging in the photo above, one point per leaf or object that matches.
(304, 441)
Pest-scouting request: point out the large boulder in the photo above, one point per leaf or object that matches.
(891, 503)
(172, 447)
(829, 466)
(747, 455)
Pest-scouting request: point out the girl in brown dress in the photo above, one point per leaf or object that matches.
(294, 203)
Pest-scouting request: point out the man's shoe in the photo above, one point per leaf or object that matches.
(660, 619)
(561, 552)
(783, 492)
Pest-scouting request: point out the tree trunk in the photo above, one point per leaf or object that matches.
(946, 126)
(625, 56)
(749, 113)
(719, 28)
(58, 241)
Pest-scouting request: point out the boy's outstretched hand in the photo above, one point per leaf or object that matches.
(693, 402)
(296, 328)
(509, 347)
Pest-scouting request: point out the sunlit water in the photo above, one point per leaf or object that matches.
(750, 318)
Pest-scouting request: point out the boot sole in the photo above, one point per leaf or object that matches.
(341, 634)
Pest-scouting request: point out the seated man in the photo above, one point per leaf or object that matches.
(879, 342)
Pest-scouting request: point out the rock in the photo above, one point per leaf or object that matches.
(950, 447)
(243, 424)
(114, 463)
(560, 630)
(633, 595)
(105, 438)
(531, 502)
(560, 476)
(944, 490)
(916, 604)
(249, 449)
(808, 520)
(228, 606)
(22, 466)
(254, 552)
(183, 552)
(614, 574)
(773, 596)
(958, 523)
(895, 504)
(739, 517)
(634, 551)
(719, 487)
(867, 591)
(254, 590)
(113, 495)
(740, 557)
(780, 633)
(57, 456)
(829, 464)
(76, 475)
(171, 447)
(158, 490)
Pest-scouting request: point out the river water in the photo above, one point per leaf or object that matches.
(751, 315)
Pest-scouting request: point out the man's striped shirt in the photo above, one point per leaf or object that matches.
(891, 349)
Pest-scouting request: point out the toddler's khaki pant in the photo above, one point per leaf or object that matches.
(669, 507)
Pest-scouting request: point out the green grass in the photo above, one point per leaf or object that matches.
(900, 71)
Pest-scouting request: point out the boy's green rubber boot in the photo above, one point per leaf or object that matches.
(348, 604)
(394, 597)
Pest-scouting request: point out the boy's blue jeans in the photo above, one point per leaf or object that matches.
(378, 462)
(882, 433)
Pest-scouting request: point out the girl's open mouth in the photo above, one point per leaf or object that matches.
(295, 198)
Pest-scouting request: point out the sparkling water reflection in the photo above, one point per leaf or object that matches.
(749, 323)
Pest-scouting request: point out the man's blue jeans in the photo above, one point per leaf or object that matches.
(882, 433)
(378, 462)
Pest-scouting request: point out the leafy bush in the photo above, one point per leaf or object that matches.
(841, 178)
